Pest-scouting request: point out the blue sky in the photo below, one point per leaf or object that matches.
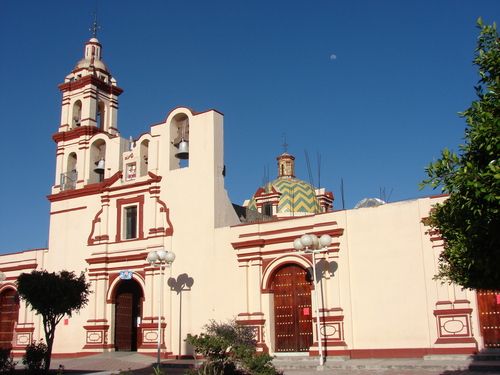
(373, 87)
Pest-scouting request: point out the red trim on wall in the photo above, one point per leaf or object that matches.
(289, 229)
(90, 80)
(68, 210)
(452, 312)
(78, 132)
(261, 242)
(456, 340)
(25, 266)
(121, 258)
(101, 187)
(169, 231)
(97, 219)
(89, 189)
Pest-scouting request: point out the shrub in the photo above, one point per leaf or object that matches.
(34, 359)
(7, 364)
(230, 349)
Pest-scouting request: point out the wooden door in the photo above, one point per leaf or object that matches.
(123, 321)
(292, 309)
(489, 317)
(9, 313)
(127, 311)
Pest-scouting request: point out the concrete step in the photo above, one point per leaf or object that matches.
(488, 355)
(491, 366)
(290, 363)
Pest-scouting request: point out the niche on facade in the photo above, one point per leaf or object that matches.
(179, 140)
(76, 118)
(143, 157)
(97, 161)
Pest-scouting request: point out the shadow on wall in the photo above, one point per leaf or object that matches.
(183, 283)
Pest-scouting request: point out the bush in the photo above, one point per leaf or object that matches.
(7, 364)
(34, 359)
(230, 349)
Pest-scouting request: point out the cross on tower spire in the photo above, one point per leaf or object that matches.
(95, 26)
(285, 145)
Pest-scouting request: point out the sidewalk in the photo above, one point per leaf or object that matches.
(131, 362)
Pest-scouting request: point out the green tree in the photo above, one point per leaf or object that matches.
(53, 295)
(230, 349)
(469, 219)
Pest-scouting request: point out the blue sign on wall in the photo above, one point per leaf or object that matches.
(126, 275)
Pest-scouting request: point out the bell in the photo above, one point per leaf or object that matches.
(183, 152)
(99, 169)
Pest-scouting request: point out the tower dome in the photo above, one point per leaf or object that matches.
(92, 57)
(288, 195)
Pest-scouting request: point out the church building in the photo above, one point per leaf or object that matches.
(114, 200)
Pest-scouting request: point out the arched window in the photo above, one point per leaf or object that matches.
(100, 120)
(77, 114)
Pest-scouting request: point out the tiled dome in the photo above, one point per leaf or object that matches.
(295, 196)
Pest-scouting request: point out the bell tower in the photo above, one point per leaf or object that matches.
(90, 94)
(89, 107)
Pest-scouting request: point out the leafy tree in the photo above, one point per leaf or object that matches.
(53, 295)
(469, 219)
(230, 349)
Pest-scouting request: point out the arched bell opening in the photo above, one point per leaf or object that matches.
(76, 117)
(128, 312)
(291, 286)
(101, 116)
(70, 177)
(97, 161)
(179, 139)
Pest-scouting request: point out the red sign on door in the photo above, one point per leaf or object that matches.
(498, 299)
(306, 311)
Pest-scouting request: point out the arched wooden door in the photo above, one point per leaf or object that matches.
(9, 313)
(292, 309)
(128, 303)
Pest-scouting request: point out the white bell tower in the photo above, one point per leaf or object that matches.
(89, 107)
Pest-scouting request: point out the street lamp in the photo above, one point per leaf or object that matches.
(160, 258)
(310, 244)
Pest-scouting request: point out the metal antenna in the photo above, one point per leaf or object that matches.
(318, 158)
(342, 192)
(309, 168)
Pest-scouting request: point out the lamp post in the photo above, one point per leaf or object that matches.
(160, 258)
(310, 244)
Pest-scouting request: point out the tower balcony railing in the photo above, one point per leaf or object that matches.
(68, 180)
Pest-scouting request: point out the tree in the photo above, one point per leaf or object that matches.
(469, 220)
(53, 295)
(230, 348)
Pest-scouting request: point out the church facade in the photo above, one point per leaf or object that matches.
(114, 200)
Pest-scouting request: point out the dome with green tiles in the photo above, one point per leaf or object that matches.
(295, 196)
(287, 193)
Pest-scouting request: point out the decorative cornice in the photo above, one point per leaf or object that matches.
(78, 132)
(90, 80)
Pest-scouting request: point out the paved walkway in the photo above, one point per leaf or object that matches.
(127, 363)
